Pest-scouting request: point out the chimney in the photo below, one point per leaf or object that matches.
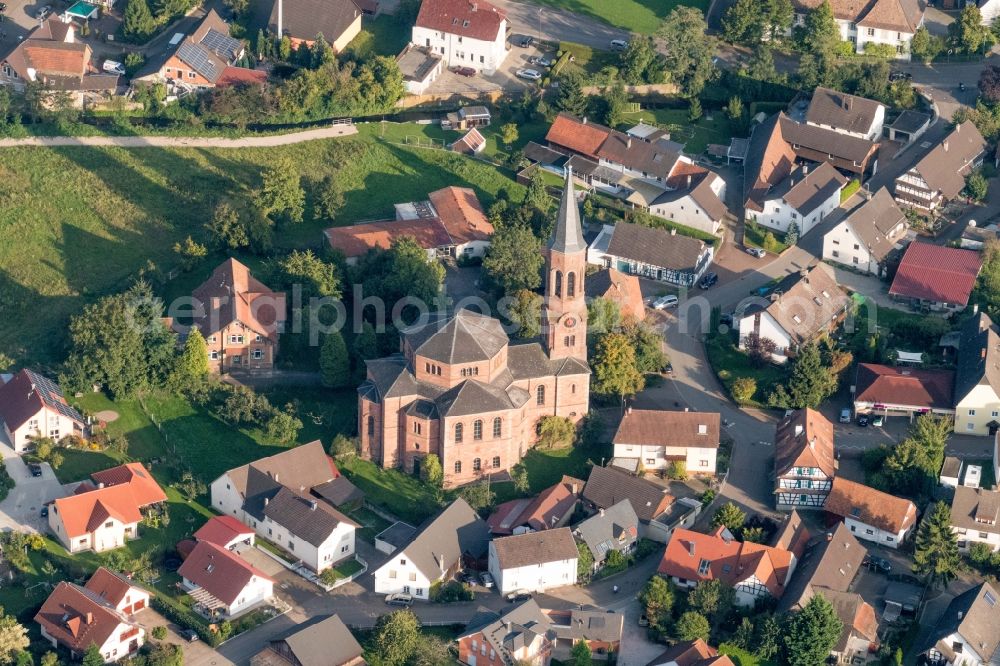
(267, 500)
(689, 182)
(216, 301)
(312, 505)
(687, 409)
(829, 536)
(628, 143)
(961, 614)
(805, 169)
(276, 477)
(100, 485)
(281, 18)
(628, 410)
(945, 145)
(601, 511)
(508, 626)
(798, 429)
(90, 617)
(475, 6)
(673, 232)
(691, 548)
(847, 103)
(585, 120)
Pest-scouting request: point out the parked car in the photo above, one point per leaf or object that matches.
(520, 595)
(36, 469)
(525, 41)
(863, 420)
(45, 511)
(668, 368)
(190, 635)
(643, 620)
(900, 76)
(464, 71)
(399, 599)
(467, 577)
(114, 67)
(845, 415)
(756, 252)
(618, 44)
(532, 60)
(3, 6)
(545, 61)
(664, 302)
(879, 564)
(530, 74)
(708, 280)
(878, 420)
(486, 579)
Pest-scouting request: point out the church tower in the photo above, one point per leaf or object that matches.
(564, 314)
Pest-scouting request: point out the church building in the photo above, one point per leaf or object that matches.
(461, 389)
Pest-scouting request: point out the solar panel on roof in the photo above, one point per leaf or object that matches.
(221, 44)
(198, 58)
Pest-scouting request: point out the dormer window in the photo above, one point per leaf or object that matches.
(454, 21)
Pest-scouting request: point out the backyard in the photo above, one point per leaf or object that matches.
(730, 364)
(712, 127)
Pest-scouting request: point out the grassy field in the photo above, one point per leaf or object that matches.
(76, 223)
(433, 135)
(643, 16)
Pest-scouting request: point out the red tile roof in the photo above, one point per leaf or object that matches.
(849, 499)
(108, 585)
(219, 572)
(936, 273)
(357, 239)
(144, 488)
(76, 617)
(541, 512)
(222, 530)
(232, 294)
(127, 489)
(475, 19)
(804, 439)
(462, 215)
(580, 136)
(26, 394)
(235, 75)
(913, 387)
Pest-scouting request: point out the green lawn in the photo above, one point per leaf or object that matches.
(380, 35)
(421, 134)
(76, 223)
(400, 494)
(730, 364)
(712, 127)
(642, 16)
(371, 523)
(754, 235)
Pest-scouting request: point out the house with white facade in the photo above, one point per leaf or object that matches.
(871, 514)
(454, 538)
(977, 378)
(613, 529)
(865, 239)
(467, 33)
(804, 462)
(804, 199)
(697, 203)
(286, 498)
(968, 633)
(656, 254)
(802, 307)
(535, 561)
(222, 584)
(33, 406)
(846, 114)
(889, 22)
(975, 517)
(659, 439)
(939, 176)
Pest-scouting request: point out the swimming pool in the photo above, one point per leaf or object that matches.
(82, 9)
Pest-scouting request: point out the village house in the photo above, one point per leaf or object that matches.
(936, 278)
(284, 498)
(769, 160)
(225, 532)
(847, 114)
(600, 629)
(420, 68)
(32, 406)
(105, 514)
(50, 55)
(696, 202)
(621, 289)
(892, 390)
(883, 22)
(968, 633)
(804, 462)
(865, 239)
(325, 643)
(940, 176)
(534, 561)
(461, 390)
(653, 505)
(975, 517)
(467, 33)
(977, 378)
(859, 627)
(688, 441)
(691, 653)
(100, 613)
(871, 514)
(302, 21)
(551, 508)
(222, 584)
(754, 571)
(239, 317)
(803, 306)
(803, 199)
(656, 254)
(613, 529)
(456, 537)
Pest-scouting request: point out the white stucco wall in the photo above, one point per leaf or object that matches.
(535, 577)
(976, 410)
(46, 423)
(778, 215)
(457, 50)
(769, 329)
(874, 534)
(841, 245)
(655, 457)
(399, 575)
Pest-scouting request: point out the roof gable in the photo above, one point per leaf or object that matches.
(26, 394)
(804, 439)
(219, 572)
(475, 19)
(935, 273)
(849, 499)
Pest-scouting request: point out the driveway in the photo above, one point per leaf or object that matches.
(21, 510)
(558, 25)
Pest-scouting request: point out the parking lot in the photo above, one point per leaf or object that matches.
(22, 507)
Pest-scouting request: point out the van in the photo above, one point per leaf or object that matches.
(618, 45)
(114, 67)
(845, 415)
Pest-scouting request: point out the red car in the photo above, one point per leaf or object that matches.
(464, 71)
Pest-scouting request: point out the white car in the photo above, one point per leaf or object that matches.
(664, 302)
(113, 67)
(756, 252)
(530, 74)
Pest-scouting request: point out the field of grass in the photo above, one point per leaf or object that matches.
(400, 494)
(371, 523)
(76, 223)
(643, 16)
(432, 135)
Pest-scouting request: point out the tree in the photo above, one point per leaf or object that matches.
(729, 516)
(810, 383)
(508, 134)
(191, 367)
(316, 277)
(616, 104)
(657, 599)
(935, 555)
(711, 598)
(138, 22)
(6, 363)
(320, 53)
(519, 476)
(225, 228)
(281, 195)
(365, 348)
(734, 109)
(745, 23)
(555, 432)
(329, 198)
(761, 67)
(924, 46)
(820, 34)
(401, 271)
(395, 637)
(792, 234)
(514, 261)
(690, 49)
(989, 83)
(759, 349)
(767, 637)
(743, 389)
(615, 560)
(615, 369)
(282, 427)
(640, 63)
(976, 185)
(603, 316)
(24, 659)
(753, 534)
(49, 659)
(478, 495)
(692, 626)
(343, 446)
(93, 656)
(525, 312)
(968, 33)
(190, 252)
(912, 467)
(694, 110)
(812, 632)
(334, 364)
(571, 98)
(580, 655)
(584, 561)
(431, 471)
(647, 343)
(780, 15)
(432, 651)
(536, 196)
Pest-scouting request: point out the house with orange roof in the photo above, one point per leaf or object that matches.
(691, 653)
(240, 318)
(222, 584)
(620, 288)
(225, 531)
(754, 571)
(75, 617)
(804, 461)
(105, 514)
(871, 514)
(548, 510)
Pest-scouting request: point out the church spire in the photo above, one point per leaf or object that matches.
(567, 236)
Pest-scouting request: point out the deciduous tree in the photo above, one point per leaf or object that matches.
(190, 252)
(508, 133)
(811, 633)
(657, 599)
(191, 368)
(744, 23)
(395, 638)
(615, 369)
(730, 516)
(976, 186)
(691, 626)
(514, 261)
(810, 383)
(281, 196)
(584, 561)
(555, 432)
(690, 49)
(743, 389)
(329, 198)
(968, 33)
(924, 46)
(431, 471)
(525, 312)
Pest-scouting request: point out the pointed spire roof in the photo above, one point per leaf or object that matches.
(568, 233)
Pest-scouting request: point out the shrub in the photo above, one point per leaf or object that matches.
(450, 592)
(849, 190)
(159, 633)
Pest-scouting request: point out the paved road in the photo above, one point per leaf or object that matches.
(22, 508)
(558, 25)
(331, 132)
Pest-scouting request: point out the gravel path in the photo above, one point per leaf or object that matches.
(331, 132)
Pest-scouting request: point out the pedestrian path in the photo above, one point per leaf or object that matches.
(331, 132)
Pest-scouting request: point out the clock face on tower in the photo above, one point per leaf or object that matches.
(569, 322)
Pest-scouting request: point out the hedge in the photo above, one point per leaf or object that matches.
(849, 190)
(186, 619)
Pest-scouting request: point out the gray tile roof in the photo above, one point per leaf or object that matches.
(976, 509)
(614, 528)
(309, 519)
(464, 337)
(973, 615)
(807, 189)
(325, 643)
(875, 222)
(567, 234)
(472, 397)
(655, 247)
(338, 491)
(511, 631)
(442, 541)
(822, 140)
(947, 165)
(606, 486)
(305, 19)
(978, 356)
(842, 111)
(533, 548)
(830, 561)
